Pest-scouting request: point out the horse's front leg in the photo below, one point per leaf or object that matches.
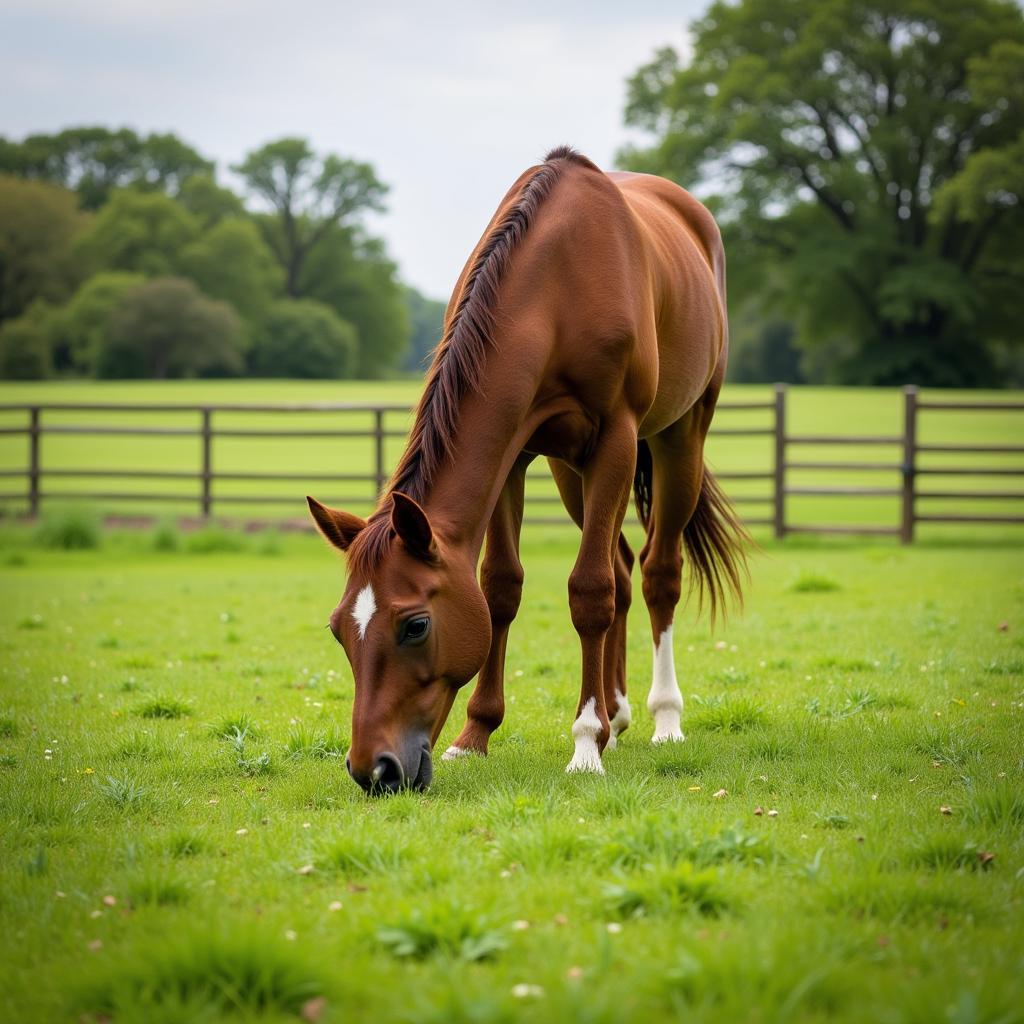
(607, 478)
(501, 579)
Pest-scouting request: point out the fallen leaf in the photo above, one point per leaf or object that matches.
(773, 813)
(306, 869)
(574, 973)
(1003, 627)
(759, 811)
(110, 901)
(312, 1009)
(985, 858)
(720, 794)
(944, 809)
(693, 789)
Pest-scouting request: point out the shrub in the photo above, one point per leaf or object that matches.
(69, 528)
(304, 338)
(168, 328)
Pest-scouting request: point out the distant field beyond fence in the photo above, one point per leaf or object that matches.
(801, 460)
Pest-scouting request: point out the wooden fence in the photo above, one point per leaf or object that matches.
(41, 483)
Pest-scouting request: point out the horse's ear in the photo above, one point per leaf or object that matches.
(411, 524)
(339, 528)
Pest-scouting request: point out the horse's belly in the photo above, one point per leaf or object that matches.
(565, 435)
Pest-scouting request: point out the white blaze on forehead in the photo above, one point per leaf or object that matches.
(365, 606)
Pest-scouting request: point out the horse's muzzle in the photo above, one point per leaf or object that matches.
(390, 773)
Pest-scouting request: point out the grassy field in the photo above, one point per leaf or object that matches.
(810, 411)
(180, 840)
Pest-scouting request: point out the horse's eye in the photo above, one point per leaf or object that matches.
(414, 631)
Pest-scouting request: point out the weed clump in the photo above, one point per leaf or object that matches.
(442, 930)
(214, 540)
(666, 890)
(813, 583)
(728, 715)
(164, 707)
(69, 528)
(200, 973)
(315, 743)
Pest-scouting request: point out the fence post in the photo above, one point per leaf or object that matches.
(378, 439)
(33, 461)
(206, 500)
(909, 466)
(780, 461)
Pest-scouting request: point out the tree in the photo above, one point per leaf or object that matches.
(840, 140)
(426, 320)
(309, 196)
(25, 352)
(138, 232)
(209, 202)
(352, 274)
(231, 261)
(38, 227)
(168, 328)
(94, 161)
(304, 338)
(78, 331)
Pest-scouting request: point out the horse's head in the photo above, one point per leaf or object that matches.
(415, 627)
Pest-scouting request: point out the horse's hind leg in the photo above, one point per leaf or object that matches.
(570, 487)
(678, 465)
(501, 579)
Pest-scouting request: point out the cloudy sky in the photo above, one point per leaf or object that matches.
(449, 101)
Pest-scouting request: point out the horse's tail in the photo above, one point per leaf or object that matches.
(642, 482)
(716, 544)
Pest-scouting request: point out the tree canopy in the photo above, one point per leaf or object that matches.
(309, 196)
(864, 159)
(118, 211)
(95, 160)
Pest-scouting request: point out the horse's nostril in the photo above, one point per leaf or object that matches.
(387, 773)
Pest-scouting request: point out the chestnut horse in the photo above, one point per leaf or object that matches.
(589, 326)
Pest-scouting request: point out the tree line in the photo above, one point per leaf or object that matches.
(865, 161)
(121, 256)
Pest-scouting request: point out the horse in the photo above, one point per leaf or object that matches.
(588, 326)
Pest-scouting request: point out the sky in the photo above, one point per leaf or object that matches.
(449, 101)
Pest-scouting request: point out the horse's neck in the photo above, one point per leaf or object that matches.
(494, 423)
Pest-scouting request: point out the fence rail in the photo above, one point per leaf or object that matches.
(209, 427)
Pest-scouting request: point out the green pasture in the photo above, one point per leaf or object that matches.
(851, 411)
(179, 840)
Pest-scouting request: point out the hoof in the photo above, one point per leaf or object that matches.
(585, 766)
(668, 737)
(454, 752)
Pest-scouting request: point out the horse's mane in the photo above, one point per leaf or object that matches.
(458, 361)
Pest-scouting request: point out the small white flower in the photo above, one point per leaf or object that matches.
(525, 991)
(520, 926)
(613, 927)
(241, 831)
(290, 935)
(334, 906)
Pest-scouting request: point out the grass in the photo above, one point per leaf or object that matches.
(179, 839)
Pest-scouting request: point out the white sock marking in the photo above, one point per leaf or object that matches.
(453, 752)
(365, 606)
(665, 702)
(623, 716)
(585, 730)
